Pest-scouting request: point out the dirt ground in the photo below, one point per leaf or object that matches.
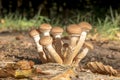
(16, 46)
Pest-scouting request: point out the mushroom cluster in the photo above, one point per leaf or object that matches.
(53, 46)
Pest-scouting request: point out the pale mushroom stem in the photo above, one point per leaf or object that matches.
(49, 58)
(40, 49)
(73, 41)
(46, 33)
(54, 54)
(36, 39)
(80, 56)
(71, 56)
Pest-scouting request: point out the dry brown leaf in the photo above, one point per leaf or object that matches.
(22, 73)
(98, 67)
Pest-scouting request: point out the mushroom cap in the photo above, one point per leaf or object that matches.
(85, 25)
(56, 30)
(33, 32)
(45, 26)
(89, 45)
(73, 29)
(46, 40)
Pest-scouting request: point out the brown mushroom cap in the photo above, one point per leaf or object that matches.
(46, 40)
(89, 45)
(56, 30)
(73, 29)
(33, 32)
(85, 26)
(45, 26)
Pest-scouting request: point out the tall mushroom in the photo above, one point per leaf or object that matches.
(74, 32)
(56, 32)
(35, 35)
(86, 27)
(86, 47)
(45, 29)
(46, 41)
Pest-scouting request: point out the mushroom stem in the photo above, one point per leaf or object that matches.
(70, 57)
(73, 41)
(46, 41)
(46, 33)
(54, 54)
(36, 37)
(80, 56)
(58, 46)
(49, 58)
(40, 49)
(56, 32)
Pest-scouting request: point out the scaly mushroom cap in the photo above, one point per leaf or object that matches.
(46, 40)
(85, 26)
(88, 45)
(45, 26)
(33, 32)
(73, 29)
(55, 30)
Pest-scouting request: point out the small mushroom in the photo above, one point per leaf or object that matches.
(56, 32)
(74, 32)
(45, 29)
(35, 35)
(87, 46)
(46, 41)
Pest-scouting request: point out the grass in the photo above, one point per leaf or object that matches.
(107, 26)
(15, 22)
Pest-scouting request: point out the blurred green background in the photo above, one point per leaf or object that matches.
(22, 15)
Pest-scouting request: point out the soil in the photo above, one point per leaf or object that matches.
(15, 46)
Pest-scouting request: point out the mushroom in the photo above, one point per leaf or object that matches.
(56, 32)
(87, 46)
(35, 35)
(74, 32)
(45, 29)
(86, 27)
(46, 41)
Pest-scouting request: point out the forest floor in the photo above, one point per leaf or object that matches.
(15, 46)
